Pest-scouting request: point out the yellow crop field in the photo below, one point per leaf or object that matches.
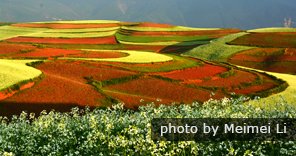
(133, 57)
(16, 71)
(72, 35)
(81, 21)
(274, 29)
(7, 32)
(175, 28)
(83, 30)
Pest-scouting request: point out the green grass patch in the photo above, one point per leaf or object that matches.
(218, 50)
(227, 74)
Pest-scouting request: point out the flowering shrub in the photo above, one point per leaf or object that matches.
(117, 131)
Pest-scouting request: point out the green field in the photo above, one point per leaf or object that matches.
(218, 50)
(149, 39)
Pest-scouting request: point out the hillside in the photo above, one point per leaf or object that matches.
(195, 13)
(113, 61)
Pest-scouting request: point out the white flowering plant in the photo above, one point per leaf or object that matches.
(117, 131)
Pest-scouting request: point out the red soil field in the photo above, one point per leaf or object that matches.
(266, 55)
(255, 88)
(268, 59)
(64, 83)
(157, 25)
(92, 54)
(206, 70)
(77, 70)
(236, 80)
(6, 48)
(149, 66)
(54, 89)
(48, 52)
(210, 33)
(6, 94)
(279, 67)
(289, 55)
(155, 88)
(258, 54)
(100, 40)
(65, 25)
(277, 40)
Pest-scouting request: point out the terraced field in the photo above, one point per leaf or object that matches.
(99, 63)
(281, 60)
(266, 49)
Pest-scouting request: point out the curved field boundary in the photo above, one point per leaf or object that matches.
(218, 50)
(156, 88)
(133, 57)
(81, 21)
(49, 40)
(168, 43)
(16, 71)
(156, 25)
(84, 30)
(66, 25)
(7, 32)
(199, 72)
(164, 38)
(288, 95)
(209, 33)
(280, 60)
(177, 63)
(72, 35)
(267, 39)
(175, 28)
(275, 29)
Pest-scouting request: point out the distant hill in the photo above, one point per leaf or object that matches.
(245, 14)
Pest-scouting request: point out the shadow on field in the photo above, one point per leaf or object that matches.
(9, 109)
(178, 48)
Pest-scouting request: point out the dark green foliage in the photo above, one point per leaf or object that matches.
(227, 74)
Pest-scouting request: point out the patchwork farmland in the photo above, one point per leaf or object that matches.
(99, 63)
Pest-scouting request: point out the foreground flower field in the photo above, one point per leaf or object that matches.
(116, 131)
